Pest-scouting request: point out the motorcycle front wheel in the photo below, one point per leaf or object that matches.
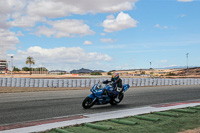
(87, 103)
(117, 100)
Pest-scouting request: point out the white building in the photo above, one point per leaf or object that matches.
(3, 66)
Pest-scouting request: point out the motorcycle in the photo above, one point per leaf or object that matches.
(103, 94)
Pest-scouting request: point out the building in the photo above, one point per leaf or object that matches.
(57, 72)
(3, 66)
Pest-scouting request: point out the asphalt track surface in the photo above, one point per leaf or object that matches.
(33, 106)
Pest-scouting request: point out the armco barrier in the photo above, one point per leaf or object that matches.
(27, 82)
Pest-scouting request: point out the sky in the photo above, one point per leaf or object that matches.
(100, 34)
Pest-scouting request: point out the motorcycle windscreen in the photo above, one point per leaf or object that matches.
(126, 86)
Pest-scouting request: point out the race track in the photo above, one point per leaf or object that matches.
(31, 106)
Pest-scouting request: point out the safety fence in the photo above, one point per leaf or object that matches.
(28, 82)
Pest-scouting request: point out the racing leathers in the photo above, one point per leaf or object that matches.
(117, 86)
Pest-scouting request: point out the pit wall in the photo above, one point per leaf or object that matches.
(28, 82)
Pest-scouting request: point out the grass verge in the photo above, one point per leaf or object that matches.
(167, 124)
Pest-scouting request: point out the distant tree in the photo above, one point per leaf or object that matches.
(30, 61)
(26, 69)
(44, 69)
(96, 73)
(109, 73)
(171, 74)
(40, 69)
(143, 72)
(16, 69)
(62, 73)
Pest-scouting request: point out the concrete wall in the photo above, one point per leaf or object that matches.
(27, 82)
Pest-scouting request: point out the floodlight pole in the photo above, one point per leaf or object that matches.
(11, 65)
(187, 62)
(150, 65)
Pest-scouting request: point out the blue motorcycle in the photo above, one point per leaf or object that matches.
(104, 94)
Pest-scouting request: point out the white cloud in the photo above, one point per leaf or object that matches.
(23, 13)
(87, 43)
(108, 40)
(26, 21)
(8, 40)
(103, 34)
(54, 58)
(185, 0)
(61, 8)
(162, 61)
(157, 25)
(122, 21)
(161, 27)
(64, 28)
(43, 30)
(165, 27)
(181, 15)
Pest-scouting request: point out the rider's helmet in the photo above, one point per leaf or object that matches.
(115, 76)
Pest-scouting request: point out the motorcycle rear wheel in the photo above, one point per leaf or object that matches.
(117, 100)
(87, 103)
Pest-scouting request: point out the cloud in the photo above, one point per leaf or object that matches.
(181, 15)
(25, 21)
(54, 8)
(184, 0)
(23, 13)
(165, 27)
(157, 25)
(7, 10)
(64, 28)
(87, 43)
(161, 27)
(102, 34)
(108, 40)
(54, 58)
(162, 61)
(8, 41)
(122, 21)
(45, 13)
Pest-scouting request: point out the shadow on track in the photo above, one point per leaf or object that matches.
(109, 107)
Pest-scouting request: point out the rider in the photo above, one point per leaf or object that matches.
(117, 84)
